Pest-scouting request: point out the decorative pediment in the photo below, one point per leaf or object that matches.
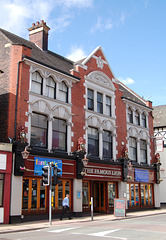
(108, 125)
(61, 112)
(40, 106)
(94, 121)
(101, 79)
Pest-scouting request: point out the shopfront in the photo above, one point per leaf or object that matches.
(140, 188)
(35, 196)
(101, 183)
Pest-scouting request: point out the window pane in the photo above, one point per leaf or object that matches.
(60, 195)
(133, 149)
(34, 194)
(99, 103)
(25, 194)
(42, 195)
(85, 194)
(130, 115)
(38, 130)
(143, 151)
(37, 83)
(50, 87)
(137, 118)
(107, 144)
(108, 106)
(143, 120)
(59, 138)
(1, 189)
(111, 194)
(93, 141)
(63, 92)
(90, 99)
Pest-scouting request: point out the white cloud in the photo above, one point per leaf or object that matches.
(75, 3)
(102, 24)
(17, 14)
(76, 54)
(126, 81)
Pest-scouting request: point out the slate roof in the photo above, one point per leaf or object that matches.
(159, 114)
(131, 95)
(48, 58)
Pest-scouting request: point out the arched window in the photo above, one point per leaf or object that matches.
(50, 88)
(143, 120)
(37, 83)
(137, 118)
(130, 115)
(63, 92)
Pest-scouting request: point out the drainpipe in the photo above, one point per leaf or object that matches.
(15, 125)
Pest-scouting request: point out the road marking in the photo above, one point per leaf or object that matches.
(102, 234)
(61, 230)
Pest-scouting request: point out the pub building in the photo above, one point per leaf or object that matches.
(66, 112)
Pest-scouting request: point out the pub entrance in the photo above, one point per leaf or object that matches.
(99, 196)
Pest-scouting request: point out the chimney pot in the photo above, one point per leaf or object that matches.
(33, 24)
(42, 21)
(37, 23)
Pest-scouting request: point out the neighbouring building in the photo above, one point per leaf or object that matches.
(159, 113)
(70, 111)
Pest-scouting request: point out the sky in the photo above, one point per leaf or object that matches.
(132, 34)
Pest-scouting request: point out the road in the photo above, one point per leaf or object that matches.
(149, 228)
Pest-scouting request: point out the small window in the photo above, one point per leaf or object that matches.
(132, 149)
(63, 92)
(50, 88)
(143, 120)
(39, 130)
(90, 99)
(93, 141)
(1, 189)
(59, 138)
(108, 106)
(107, 144)
(143, 151)
(130, 115)
(99, 103)
(37, 83)
(137, 118)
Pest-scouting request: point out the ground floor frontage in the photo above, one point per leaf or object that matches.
(102, 181)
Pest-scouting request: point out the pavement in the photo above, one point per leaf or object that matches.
(29, 226)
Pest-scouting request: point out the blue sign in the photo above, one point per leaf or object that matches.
(141, 175)
(41, 162)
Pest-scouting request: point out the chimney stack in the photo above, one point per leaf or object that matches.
(38, 34)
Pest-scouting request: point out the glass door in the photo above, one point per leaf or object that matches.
(99, 196)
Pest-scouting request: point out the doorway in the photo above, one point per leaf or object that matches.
(99, 196)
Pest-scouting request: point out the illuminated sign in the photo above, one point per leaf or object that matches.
(41, 162)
